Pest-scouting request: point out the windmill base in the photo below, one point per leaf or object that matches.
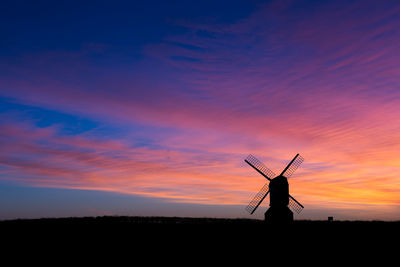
(278, 215)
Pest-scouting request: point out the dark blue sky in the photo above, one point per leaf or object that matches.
(125, 25)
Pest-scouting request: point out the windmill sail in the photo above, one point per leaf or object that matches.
(292, 166)
(295, 205)
(260, 167)
(251, 208)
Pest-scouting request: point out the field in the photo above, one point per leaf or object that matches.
(180, 226)
(203, 238)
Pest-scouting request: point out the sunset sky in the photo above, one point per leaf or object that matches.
(150, 107)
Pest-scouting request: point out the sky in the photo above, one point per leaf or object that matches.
(149, 108)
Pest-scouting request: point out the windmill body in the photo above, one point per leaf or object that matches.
(278, 211)
(281, 202)
(279, 192)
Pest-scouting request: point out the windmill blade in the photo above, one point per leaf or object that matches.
(292, 166)
(251, 208)
(295, 205)
(260, 167)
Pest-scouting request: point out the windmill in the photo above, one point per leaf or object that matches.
(281, 202)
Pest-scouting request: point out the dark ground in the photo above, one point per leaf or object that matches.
(202, 227)
(243, 239)
(193, 223)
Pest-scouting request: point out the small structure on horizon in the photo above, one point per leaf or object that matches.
(330, 219)
(281, 202)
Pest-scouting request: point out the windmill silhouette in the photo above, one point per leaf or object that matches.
(281, 202)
